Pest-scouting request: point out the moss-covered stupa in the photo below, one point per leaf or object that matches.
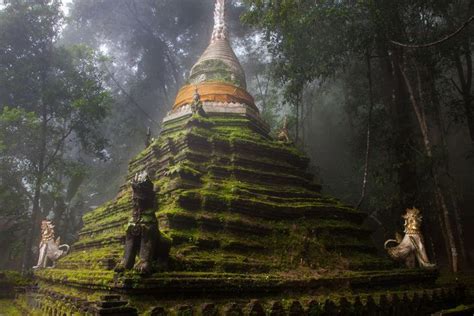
(246, 219)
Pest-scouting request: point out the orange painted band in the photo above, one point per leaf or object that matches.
(213, 92)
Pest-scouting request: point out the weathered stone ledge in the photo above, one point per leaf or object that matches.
(228, 284)
(414, 302)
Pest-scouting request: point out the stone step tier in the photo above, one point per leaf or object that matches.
(211, 294)
(220, 179)
(246, 219)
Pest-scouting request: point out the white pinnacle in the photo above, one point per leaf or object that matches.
(220, 27)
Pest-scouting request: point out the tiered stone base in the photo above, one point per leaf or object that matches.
(232, 200)
(247, 221)
(401, 303)
(187, 294)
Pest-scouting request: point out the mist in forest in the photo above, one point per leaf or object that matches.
(81, 81)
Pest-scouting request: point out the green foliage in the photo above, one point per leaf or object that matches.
(9, 308)
(16, 278)
(295, 28)
(319, 46)
(52, 104)
(149, 45)
(17, 126)
(103, 279)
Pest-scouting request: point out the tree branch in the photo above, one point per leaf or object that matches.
(58, 147)
(458, 63)
(369, 123)
(422, 124)
(468, 57)
(442, 40)
(264, 95)
(166, 51)
(456, 86)
(25, 191)
(135, 103)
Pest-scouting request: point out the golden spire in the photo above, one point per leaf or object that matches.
(218, 63)
(218, 73)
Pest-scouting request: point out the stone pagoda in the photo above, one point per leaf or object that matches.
(251, 233)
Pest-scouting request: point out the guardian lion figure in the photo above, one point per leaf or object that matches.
(411, 247)
(142, 234)
(284, 134)
(49, 248)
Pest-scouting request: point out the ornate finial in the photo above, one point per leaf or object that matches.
(220, 28)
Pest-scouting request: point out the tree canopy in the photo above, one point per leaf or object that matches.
(377, 93)
(52, 104)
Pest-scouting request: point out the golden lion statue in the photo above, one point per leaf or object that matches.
(411, 247)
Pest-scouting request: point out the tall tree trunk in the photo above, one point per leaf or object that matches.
(448, 227)
(34, 225)
(34, 229)
(438, 191)
(369, 124)
(465, 88)
(396, 99)
(41, 166)
(441, 135)
(470, 119)
(397, 105)
(297, 124)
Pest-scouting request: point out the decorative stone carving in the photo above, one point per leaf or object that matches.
(220, 28)
(411, 247)
(196, 106)
(149, 139)
(48, 247)
(283, 133)
(142, 234)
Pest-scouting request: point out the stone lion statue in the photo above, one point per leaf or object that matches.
(49, 248)
(142, 234)
(284, 134)
(410, 248)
